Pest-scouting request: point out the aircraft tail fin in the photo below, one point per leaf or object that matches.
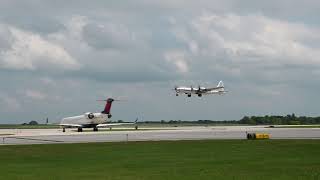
(220, 85)
(107, 107)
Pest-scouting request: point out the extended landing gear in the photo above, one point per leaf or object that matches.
(199, 95)
(189, 95)
(64, 130)
(79, 129)
(95, 129)
(177, 94)
(136, 127)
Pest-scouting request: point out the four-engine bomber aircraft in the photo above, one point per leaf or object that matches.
(200, 90)
(92, 120)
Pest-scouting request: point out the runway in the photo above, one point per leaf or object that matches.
(48, 136)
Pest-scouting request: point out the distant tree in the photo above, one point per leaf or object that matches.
(120, 121)
(245, 120)
(33, 123)
(288, 119)
(173, 122)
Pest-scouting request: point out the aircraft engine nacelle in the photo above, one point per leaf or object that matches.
(90, 115)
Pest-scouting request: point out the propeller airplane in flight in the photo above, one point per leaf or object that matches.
(200, 90)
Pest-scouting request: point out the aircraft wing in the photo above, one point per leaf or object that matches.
(71, 125)
(113, 124)
(116, 124)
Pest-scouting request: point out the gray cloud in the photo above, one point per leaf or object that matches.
(58, 57)
(27, 50)
(108, 36)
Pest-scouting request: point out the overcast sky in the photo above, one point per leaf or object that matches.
(58, 57)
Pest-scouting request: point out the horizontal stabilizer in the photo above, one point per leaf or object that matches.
(116, 124)
(71, 125)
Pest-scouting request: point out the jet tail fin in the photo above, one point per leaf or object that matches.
(220, 84)
(107, 108)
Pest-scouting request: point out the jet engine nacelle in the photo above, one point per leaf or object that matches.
(90, 115)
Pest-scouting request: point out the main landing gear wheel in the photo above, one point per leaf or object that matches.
(79, 129)
(95, 129)
(177, 94)
(189, 95)
(199, 95)
(64, 130)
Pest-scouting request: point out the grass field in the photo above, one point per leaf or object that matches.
(201, 160)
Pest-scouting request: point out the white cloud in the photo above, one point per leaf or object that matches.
(248, 45)
(102, 45)
(30, 51)
(109, 35)
(75, 25)
(35, 95)
(178, 59)
(9, 103)
(47, 81)
(251, 38)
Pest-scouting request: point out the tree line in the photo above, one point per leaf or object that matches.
(290, 119)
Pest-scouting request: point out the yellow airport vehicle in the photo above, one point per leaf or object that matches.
(258, 136)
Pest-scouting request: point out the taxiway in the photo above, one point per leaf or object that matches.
(44, 136)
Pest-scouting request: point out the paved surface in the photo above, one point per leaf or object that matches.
(44, 136)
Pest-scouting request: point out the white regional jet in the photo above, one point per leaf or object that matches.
(92, 120)
(200, 90)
